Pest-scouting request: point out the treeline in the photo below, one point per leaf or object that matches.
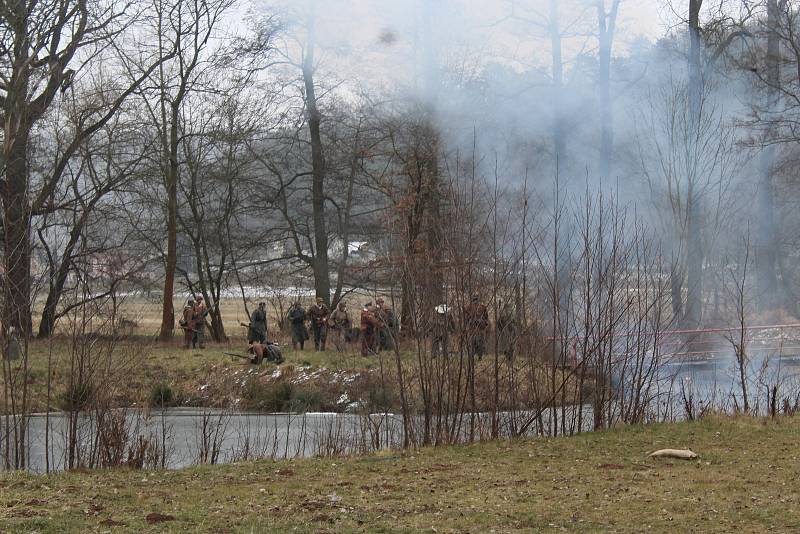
(605, 198)
(155, 143)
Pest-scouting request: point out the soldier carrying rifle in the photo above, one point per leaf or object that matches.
(257, 329)
(187, 324)
(339, 322)
(200, 312)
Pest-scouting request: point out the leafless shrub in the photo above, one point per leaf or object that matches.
(211, 431)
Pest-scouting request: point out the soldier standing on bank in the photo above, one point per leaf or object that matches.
(476, 324)
(340, 323)
(200, 312)
(257, 332)
(318, 315)
(187, 324)
(442, 329)
(370, 325)
(297, 318)
(13, 348)
(386, 316)
(506, 331)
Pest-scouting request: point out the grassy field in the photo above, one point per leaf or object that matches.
(745, 481)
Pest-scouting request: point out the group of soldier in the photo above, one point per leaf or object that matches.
(474, 332)
(193, 323)
(376, 329)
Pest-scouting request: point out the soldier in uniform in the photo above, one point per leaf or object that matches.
(318, 315)
(13, 348)
(187, 324)
(370, 325)
(339, 322)
(476, 325)
(442, 329)
(200, 312)
(257, 331)
(506, 331)
(297, 318)
(386, 316)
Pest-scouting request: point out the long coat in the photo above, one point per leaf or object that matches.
(297, 318)
(258, 325)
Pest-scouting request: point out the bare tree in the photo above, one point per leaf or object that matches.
(102, 166)
(606, 27)
(322, 283)
(772, 62)
(688, 160)
(183, 33)
(46, 45)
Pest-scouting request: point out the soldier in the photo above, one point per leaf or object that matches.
(442, 328)
(13, 348)
(257, 331)
(297, 318)
(369, 326)
(187, 324)
(386, 316)
(265, 351)
(377, 312)
(200, 312)
(339, 322)
(506, 331)
(476, 324)
(318, 315)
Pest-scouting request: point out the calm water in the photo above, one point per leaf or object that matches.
(184, 431)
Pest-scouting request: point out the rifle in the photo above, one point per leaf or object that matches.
(242, 356)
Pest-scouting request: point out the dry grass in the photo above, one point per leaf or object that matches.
(198, 377)
(745, 480)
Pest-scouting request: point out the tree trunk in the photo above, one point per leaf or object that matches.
(59, 278)
(693, 313)
(172, 176)
(16, 226)
(606, 27)
(217, 327)
(432, 204)
(766, 245)
(695, 247)
(559, 138)
(345, 230)
(322, 282)
(48, 320)
(676, 291)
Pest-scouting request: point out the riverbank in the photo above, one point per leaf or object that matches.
(129, 373)
(141, 373)
(745, 480)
